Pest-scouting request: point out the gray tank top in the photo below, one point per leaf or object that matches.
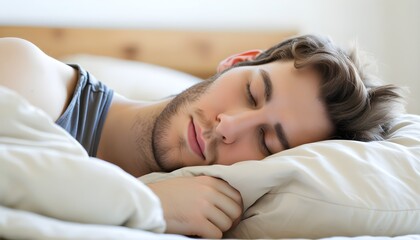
(84, 117)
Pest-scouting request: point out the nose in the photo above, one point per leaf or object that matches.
(233, 126)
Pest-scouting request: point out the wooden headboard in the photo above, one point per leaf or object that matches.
(194, 52)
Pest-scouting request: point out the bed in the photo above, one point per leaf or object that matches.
(51, 189)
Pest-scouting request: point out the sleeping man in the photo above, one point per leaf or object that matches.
(302, 90)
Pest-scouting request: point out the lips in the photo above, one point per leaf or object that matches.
(195, 140)
(200, 140)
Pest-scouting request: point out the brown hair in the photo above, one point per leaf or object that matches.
(359, 105)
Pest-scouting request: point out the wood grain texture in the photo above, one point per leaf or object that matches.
(194, 52)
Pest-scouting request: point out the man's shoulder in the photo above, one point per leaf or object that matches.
(42, 80)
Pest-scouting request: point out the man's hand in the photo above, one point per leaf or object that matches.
(198, 206)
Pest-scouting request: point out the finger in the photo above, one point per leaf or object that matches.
(219, 218)
(223, 187)
(231, 192)
(224, 196)
(228, 206)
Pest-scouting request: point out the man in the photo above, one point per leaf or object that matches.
(302, 90)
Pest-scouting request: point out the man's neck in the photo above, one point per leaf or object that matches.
(126, 138)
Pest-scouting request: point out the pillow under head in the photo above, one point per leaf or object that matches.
(328, 188)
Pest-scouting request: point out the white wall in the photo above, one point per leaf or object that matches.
(388, 29)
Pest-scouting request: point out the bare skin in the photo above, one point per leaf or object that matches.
(232, 119)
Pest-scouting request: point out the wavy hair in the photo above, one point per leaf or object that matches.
(359, 105)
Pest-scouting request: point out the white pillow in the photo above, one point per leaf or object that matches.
(135, 80)
(329, 188)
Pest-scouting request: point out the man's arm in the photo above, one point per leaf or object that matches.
(198, 206)
(45, 82)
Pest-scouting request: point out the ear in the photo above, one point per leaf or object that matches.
(236, 58)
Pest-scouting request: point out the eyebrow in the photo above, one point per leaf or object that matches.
(268, 85)
(281, 136)
(268, 91)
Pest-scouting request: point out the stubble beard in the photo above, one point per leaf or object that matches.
(162, 151)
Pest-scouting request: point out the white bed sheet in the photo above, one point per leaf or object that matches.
(15, 224)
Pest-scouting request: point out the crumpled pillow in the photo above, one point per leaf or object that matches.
(328, 188)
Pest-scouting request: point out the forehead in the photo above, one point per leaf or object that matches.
(284, 76)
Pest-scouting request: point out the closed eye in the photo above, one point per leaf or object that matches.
(261, 133)
(263, 145)
(250, 97)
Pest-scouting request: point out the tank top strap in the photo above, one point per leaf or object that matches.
(85, 115)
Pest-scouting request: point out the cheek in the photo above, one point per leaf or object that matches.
(221, 97)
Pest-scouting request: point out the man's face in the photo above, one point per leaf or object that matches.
(247, 113)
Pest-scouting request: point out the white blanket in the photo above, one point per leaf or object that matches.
(51, 189)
